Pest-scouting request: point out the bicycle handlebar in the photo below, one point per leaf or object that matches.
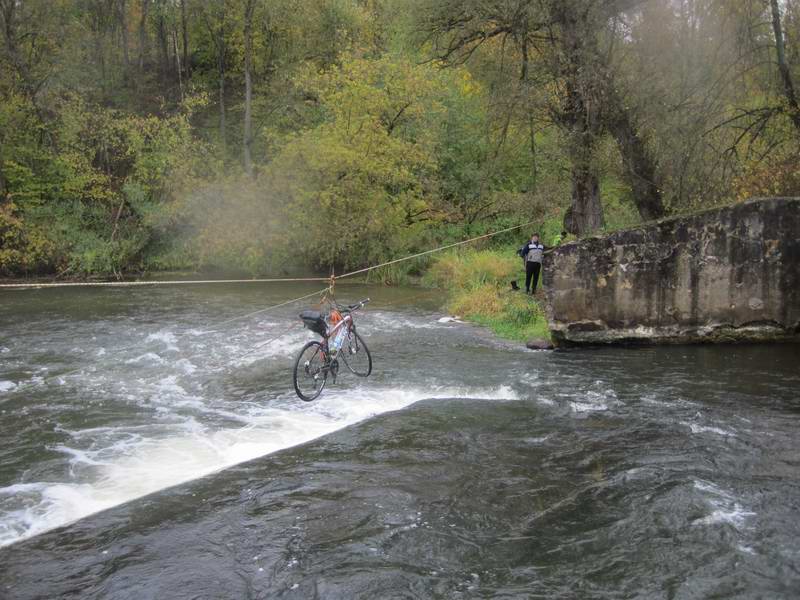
(358, 305)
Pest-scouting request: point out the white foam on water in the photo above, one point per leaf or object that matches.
(695, 428)
(594, 401)
(131, 465)
(167, 337)
(582, 407)
(286, 346)
(7, 386)
(186, 366)
(725, 507)
(735, 516)
(538, 440)
(147, 357)
(395, 322)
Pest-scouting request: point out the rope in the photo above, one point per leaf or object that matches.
(155, 283)
(331, 280)
(439, 249)
(327, 292)
(263, 310)
(257, 347)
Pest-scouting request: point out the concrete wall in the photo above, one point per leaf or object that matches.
(731, 274)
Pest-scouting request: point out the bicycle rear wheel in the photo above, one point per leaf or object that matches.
(356, 355)
(310, 372)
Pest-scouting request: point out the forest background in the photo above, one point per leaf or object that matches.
(286, 136)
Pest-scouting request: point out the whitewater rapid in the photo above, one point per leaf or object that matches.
(186, 414)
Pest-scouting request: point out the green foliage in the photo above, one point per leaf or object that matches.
(98, 192)
(369, 178)
(122, 129)
(468, 269)
(22, 247)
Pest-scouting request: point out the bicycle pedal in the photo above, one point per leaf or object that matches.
(334, 369)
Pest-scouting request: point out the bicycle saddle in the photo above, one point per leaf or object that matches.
(311, 315)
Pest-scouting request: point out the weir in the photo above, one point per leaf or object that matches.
(725, 275)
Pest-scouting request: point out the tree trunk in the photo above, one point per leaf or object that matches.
(578, 116)
(10, 33)
(3, 185)
(185, 35)
(123, 26)
(223, 134)
(221, 68)
(98, 26)
(248, 85)
(640, 168)
(143, 34)
(586, 213)
(178, 63)
(163, 45)
(783, 67)
(215, 23)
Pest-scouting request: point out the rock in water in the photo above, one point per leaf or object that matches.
(539, 344)
(454, 319)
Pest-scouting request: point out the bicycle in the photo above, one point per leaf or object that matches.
(318, 360)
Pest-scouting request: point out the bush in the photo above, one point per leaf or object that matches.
(22, 248)
(467, 269)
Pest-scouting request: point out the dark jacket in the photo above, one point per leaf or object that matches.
(526, 249)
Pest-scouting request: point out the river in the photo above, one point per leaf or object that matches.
(176, 462)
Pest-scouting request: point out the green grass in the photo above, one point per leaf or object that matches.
(478, 284)
(511, 330)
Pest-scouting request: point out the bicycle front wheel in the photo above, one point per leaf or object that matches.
(310, 372)
(356, 355)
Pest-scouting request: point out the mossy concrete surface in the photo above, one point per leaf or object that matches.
(725, 275)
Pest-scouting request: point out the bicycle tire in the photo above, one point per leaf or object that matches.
(323, 372)
(360, 346)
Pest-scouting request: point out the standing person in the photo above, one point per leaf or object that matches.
(559, 238)
(532, 253)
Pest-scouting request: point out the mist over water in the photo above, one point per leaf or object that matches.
(614, 472)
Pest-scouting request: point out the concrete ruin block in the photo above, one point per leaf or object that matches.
(725, 275)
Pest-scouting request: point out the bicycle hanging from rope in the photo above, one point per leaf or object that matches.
(319, 360)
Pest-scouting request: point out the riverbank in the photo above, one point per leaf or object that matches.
(478, 284)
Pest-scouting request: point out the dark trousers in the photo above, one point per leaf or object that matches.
(532, 270)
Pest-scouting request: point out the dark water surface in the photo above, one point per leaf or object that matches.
(464, 468)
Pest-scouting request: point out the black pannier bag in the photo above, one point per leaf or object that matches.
(314, 321)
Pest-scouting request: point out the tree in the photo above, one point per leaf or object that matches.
(185, 38)
(563, 38)
(31, 38)
(249, 7)
(783, 66)
(215, 18)
(144, 8)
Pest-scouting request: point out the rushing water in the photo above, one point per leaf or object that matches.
(640, 472)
